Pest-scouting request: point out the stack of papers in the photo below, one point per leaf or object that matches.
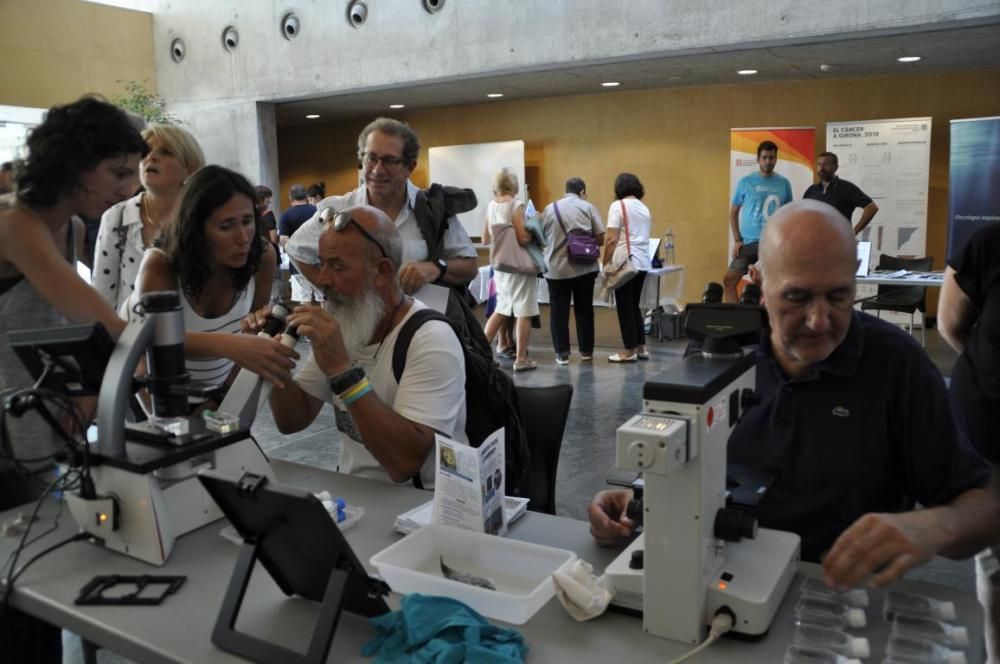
(420, 516)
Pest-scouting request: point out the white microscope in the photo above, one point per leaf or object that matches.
(145, 492)
(697, 557)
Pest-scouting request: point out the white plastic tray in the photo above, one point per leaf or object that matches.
(521, 571)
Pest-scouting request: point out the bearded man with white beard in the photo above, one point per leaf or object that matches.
(388, 427)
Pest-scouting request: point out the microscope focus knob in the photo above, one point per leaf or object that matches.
(732, 525)
(641, 454)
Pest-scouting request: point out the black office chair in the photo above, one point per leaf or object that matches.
(905, 299)
(543, 413)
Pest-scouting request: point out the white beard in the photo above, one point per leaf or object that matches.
(358, 317)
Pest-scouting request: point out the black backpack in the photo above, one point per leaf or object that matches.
(490, 400)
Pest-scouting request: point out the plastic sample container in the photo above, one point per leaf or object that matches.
(520, 571)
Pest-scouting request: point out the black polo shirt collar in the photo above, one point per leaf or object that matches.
(844, 361)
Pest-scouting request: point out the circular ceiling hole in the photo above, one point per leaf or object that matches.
(230, 39)
(177, 50)
(357, 13)
(433, 6)
(290, 26)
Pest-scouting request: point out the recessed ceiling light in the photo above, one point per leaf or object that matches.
(312, 116)
(397, 105)
(826, 67)
(494, 95)
(611, 84)
(747, 72)
(909, 58)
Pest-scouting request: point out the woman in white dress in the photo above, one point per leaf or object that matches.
(213, 254)
(129, 228)
(517, 294)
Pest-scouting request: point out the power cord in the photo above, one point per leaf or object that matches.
(721, 623)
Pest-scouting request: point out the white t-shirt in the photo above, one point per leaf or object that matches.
(431, 392)
(639, 224)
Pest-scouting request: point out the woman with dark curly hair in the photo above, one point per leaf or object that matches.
(213, 253)
(81, 160)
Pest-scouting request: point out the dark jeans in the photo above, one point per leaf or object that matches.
(24, 638)
(630, 319)
(581, 290)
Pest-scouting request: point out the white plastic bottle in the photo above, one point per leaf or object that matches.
(807, 655)
(921, 651)
(933, 630)
(820, 611)
(835, 640)
(816, 588)
(668, 248)
(919, 606)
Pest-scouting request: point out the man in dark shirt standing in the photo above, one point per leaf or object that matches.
(841, 194)
(300, 212)
(853, 420)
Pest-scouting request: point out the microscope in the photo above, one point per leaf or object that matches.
(144, 492)
(698, 554)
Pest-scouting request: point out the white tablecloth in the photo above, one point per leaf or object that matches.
(648, 300)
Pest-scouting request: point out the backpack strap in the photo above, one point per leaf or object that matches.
(402, 347)
(410, 327)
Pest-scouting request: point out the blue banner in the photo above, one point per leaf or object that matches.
(974, 184)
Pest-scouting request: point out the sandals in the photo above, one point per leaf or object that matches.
(527, 365)
(619, 357)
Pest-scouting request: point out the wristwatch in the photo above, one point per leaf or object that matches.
(442, 265)
(345, 380)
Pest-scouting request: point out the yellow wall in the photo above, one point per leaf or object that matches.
(675, 140)
(53, 51)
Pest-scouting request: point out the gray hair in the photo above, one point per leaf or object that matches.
(392, 127)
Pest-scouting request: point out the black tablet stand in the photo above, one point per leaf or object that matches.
(295, 539)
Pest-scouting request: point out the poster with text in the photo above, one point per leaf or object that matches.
(796, 155)
(890, 161)
(974, 197)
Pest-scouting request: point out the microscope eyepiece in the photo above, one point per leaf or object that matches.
(751, 295)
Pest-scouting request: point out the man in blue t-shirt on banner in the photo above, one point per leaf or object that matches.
(758, 195)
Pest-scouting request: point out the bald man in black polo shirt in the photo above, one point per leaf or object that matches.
(841, 194)
(854, 421)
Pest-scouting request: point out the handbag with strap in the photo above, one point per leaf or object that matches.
(620, 270)
(506, 253)
(581, 245)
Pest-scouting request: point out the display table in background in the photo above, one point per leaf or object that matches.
(652, 291)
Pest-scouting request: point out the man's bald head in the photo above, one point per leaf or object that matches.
(384, 235)
(798, 229)
(808, 260)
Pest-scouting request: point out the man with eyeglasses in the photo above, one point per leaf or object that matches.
(853, 420)
(388, 426)
(388, 151)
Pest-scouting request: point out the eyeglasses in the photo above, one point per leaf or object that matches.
(342, 221)
(370, 159)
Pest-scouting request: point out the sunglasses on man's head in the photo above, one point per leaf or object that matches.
(341, 221)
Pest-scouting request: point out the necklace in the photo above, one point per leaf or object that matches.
(392, 316)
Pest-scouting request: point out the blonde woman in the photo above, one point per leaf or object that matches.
(129, 228)
(517, 294)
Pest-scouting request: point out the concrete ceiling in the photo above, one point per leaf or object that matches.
(967, 48)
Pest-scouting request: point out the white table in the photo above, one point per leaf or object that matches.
(649, 299)
(910, 278)
(179, 630)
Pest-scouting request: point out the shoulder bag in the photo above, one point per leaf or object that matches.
(620, 270)
(581, 246)
(506, 253)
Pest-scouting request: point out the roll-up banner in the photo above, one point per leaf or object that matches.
(796, 155)
(974, 183)
(890, 161)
